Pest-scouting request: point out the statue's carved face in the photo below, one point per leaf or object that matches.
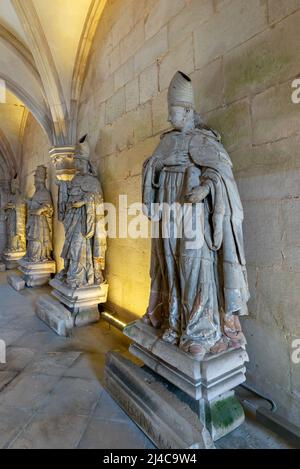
(181, 118)
(82, 166)
(14, 186)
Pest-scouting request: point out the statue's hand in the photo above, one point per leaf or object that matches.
(176, 159)
(197, 195)
(78, 204)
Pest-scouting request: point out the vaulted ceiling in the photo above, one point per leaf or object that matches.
(44, 49)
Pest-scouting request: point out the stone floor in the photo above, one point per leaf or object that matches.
(51, 393)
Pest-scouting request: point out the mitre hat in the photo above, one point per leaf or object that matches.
(181, 91)
(41, 173)
(82, 150)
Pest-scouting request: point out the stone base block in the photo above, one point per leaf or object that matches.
(2, 267)
(155, 406)
(209, 382)
(37, 274)
(56, 316)
(79, 300)
(16, 282)
(11, 259)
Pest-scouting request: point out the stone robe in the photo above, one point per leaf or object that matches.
(15, 225)
(85, 240)
(39, 227)
(192, 288)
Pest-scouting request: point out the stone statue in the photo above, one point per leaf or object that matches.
(15, 217)
(197, 293)
(39, 221)
(80, 208)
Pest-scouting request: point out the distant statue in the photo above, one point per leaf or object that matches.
(81, 209)
(197, 292)
(15, 217)
(40, 219)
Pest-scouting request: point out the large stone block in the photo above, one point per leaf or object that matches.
(115, 59)
(132, 95)
(267, 59)
(148, 83)
(115, 106)
(142, 119)
(160, 113)
(189, 19)
(151, 51)
(233, 123)
(55, 315)
(209, 85)
(206, 386)
(160, 15)
(37, 274)
(275, 116)
(80, 299)
(154, 407)
(123, 25)
(268, 158)
(124, 74)
(16, 282)
(178, 58)
(133, 41)
(278, 300)
(263, 233)
(229, 27)
(269, 366)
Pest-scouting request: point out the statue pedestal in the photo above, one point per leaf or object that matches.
(206, 387)
(82, 302)
(37, 274)
(11, 259)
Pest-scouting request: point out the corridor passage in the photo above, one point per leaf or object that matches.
(51, 392)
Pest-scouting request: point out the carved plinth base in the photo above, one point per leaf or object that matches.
(207, 385)
(155, 406)
(82, 302)
(37, 274)
(11, 259)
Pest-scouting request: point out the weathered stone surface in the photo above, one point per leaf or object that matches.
(173, 425)
(79, 299)
(37, 274)
(123, 75)
(263, 249)
(189, 19)
(160, 15)
(2, 267)
(115, 106)
(132, 42)
(209, 94)
(16, 282)
(152, 50)
(148, 83)
(132, 95)
(279, 9)
(265, 60)
(208, 383)
(228, 28)
(179, 58)
(233, 123)
(55, 315)
(274, 114)
(160, 113)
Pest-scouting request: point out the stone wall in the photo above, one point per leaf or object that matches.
(242, 56)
